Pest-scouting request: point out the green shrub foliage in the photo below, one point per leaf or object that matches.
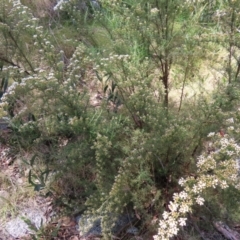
(95, 104)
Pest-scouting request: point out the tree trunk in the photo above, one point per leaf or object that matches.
(165, 80)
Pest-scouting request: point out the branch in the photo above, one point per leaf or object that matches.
(226, 231)
(21, 51)
(2, 58)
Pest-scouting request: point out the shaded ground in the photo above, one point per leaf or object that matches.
(23, 212)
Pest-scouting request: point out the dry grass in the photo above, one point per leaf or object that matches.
(13, 185)
(41, 8)
(208, 79)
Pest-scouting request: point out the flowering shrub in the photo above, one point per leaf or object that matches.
(219, 168)
(128, 150)
(47, 102)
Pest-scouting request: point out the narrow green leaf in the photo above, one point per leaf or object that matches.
(105, 88)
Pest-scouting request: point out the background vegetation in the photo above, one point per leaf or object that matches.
(114, 102)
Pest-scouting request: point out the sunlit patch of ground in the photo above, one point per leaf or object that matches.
(211, 75)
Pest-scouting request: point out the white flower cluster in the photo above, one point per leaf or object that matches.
(214, 170)
(59, 5)
(211, 134)
(154, 11)
(105, 62)
(28, 126)
(230, 120)
(9, 92)
(207, 163)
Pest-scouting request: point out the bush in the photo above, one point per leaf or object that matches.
(128, 150)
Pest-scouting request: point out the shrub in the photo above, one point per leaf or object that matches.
(130, 149)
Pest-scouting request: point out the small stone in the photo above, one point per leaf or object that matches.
(132, 230)
(4, 196)
(19, 180)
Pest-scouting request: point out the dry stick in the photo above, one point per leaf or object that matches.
(160, 161)
(21, 51)
(238, 70)
(231, 48)
(183, 86)
(226, 231)
(12, 63)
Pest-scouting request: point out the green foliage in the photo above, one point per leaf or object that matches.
(42, 232)
(128, 150)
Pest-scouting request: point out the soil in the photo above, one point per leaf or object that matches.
(23, 212)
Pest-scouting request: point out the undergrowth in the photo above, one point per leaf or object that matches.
(92, 105)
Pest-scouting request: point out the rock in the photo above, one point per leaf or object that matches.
(59, 4)
(19, 228)
(81, 4)
(20, 180)
(132, 230)
(90, 226)
(4, 123)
